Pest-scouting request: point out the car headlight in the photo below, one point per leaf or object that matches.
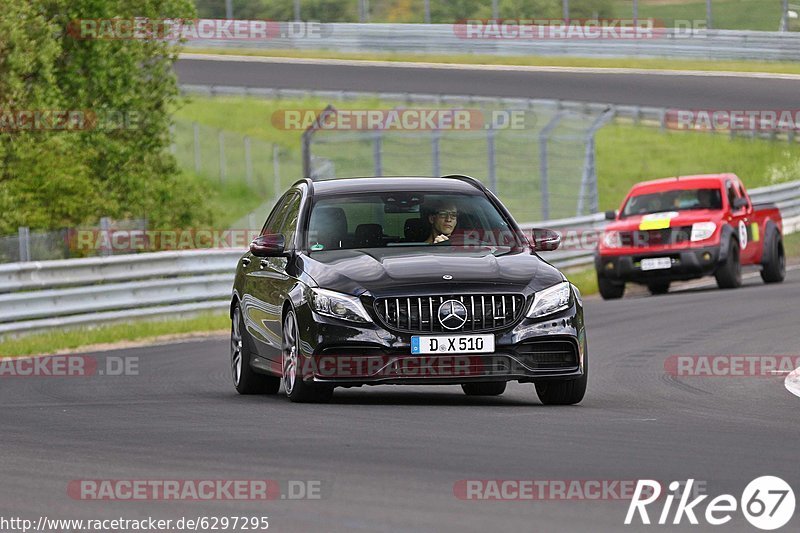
(338, 305)
(550, 300)
(703, 230)
(611, 239)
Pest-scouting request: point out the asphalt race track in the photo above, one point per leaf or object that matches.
(679, 91)
(388, 457)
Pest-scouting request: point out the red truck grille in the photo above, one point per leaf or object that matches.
(659, 237)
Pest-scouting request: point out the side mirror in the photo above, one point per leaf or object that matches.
(546, 240)
(611, 215)
(270, 245)
(740, 203)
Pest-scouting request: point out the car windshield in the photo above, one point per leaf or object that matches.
(396, 219)
(675, 200)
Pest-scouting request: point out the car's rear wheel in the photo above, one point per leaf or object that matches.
(245, 379)
(610, 290)
(495, 388)
(774, 270)
(729, 275)
(658, 287)
(296, 388)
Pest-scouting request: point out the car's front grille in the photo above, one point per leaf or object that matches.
(548, 354)
(419, 314)
(658, 237)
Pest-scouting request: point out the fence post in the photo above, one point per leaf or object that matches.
(589, 177)
(708, 14)
(543, 184)
(24, 244)
(196, 129)
(248, 162)
(377, 149)
(105, 230)
(276, 169)
(491, 158)
(222, 165)
(435, 154)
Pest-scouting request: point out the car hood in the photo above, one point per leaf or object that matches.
(387, 271)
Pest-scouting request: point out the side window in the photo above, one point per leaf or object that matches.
(288, 226)
(276, 216)
(731, 194)
(741, 192)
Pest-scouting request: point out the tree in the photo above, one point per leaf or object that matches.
(120, 165)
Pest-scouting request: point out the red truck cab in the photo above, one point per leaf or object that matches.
(688, 227)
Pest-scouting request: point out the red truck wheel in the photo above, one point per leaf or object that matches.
(729, 275)
(774, 270)
(610, 290)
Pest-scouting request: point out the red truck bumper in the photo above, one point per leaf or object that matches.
(684, 264)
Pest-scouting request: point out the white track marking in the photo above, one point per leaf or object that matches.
(499, 68)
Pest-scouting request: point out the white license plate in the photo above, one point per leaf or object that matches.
(452, 344)
(656, 263)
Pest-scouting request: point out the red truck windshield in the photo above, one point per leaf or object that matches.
(676, 200)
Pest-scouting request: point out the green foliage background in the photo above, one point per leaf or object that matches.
(53, 179)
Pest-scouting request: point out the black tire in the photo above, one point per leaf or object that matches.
(659, 287)
(245, 379)
(729, 274)
(297, 390)
(564, 392)
(610, 290)
(774, 270)
(494, 388)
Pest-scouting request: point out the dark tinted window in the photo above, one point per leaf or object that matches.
(677, 200)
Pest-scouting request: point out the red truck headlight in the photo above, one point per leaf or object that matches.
(703, 230)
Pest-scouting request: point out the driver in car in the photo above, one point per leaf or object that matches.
(443, 221)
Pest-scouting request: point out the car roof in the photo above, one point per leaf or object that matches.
(683, 182)
(373, 184)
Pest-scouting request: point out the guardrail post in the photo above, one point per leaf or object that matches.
(248, 161)
(222, 165)
(491, 158)
(377, 152)
(24, 244)
(437, 168)
(196, 130)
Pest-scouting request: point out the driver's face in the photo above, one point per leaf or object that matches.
(445, 219)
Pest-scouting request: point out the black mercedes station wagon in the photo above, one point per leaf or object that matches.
(370, 281)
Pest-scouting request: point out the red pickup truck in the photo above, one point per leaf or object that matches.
(688, 227)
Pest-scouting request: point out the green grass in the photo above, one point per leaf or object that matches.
(775, 67)
(50, 342)
(762, 15)
(791, 245)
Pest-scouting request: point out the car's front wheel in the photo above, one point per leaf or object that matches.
(245, 379)
(564, 392)
(729, 275)
(495, 388)
(296, 388)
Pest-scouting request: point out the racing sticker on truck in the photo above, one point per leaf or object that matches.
(657, 220)
(742, 234)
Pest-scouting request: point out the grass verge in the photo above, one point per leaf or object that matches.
(771, 67)
(55, 341)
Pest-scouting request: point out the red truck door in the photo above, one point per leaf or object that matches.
(740, 219)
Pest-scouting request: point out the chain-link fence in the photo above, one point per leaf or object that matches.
(230, 158)
(541, 171)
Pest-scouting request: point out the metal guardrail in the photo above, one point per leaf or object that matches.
(452, 39)
(55, 294)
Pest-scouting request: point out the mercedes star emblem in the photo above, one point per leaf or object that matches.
(452, 314)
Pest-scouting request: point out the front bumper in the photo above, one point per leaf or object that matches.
(347, 355)
(686, 264)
